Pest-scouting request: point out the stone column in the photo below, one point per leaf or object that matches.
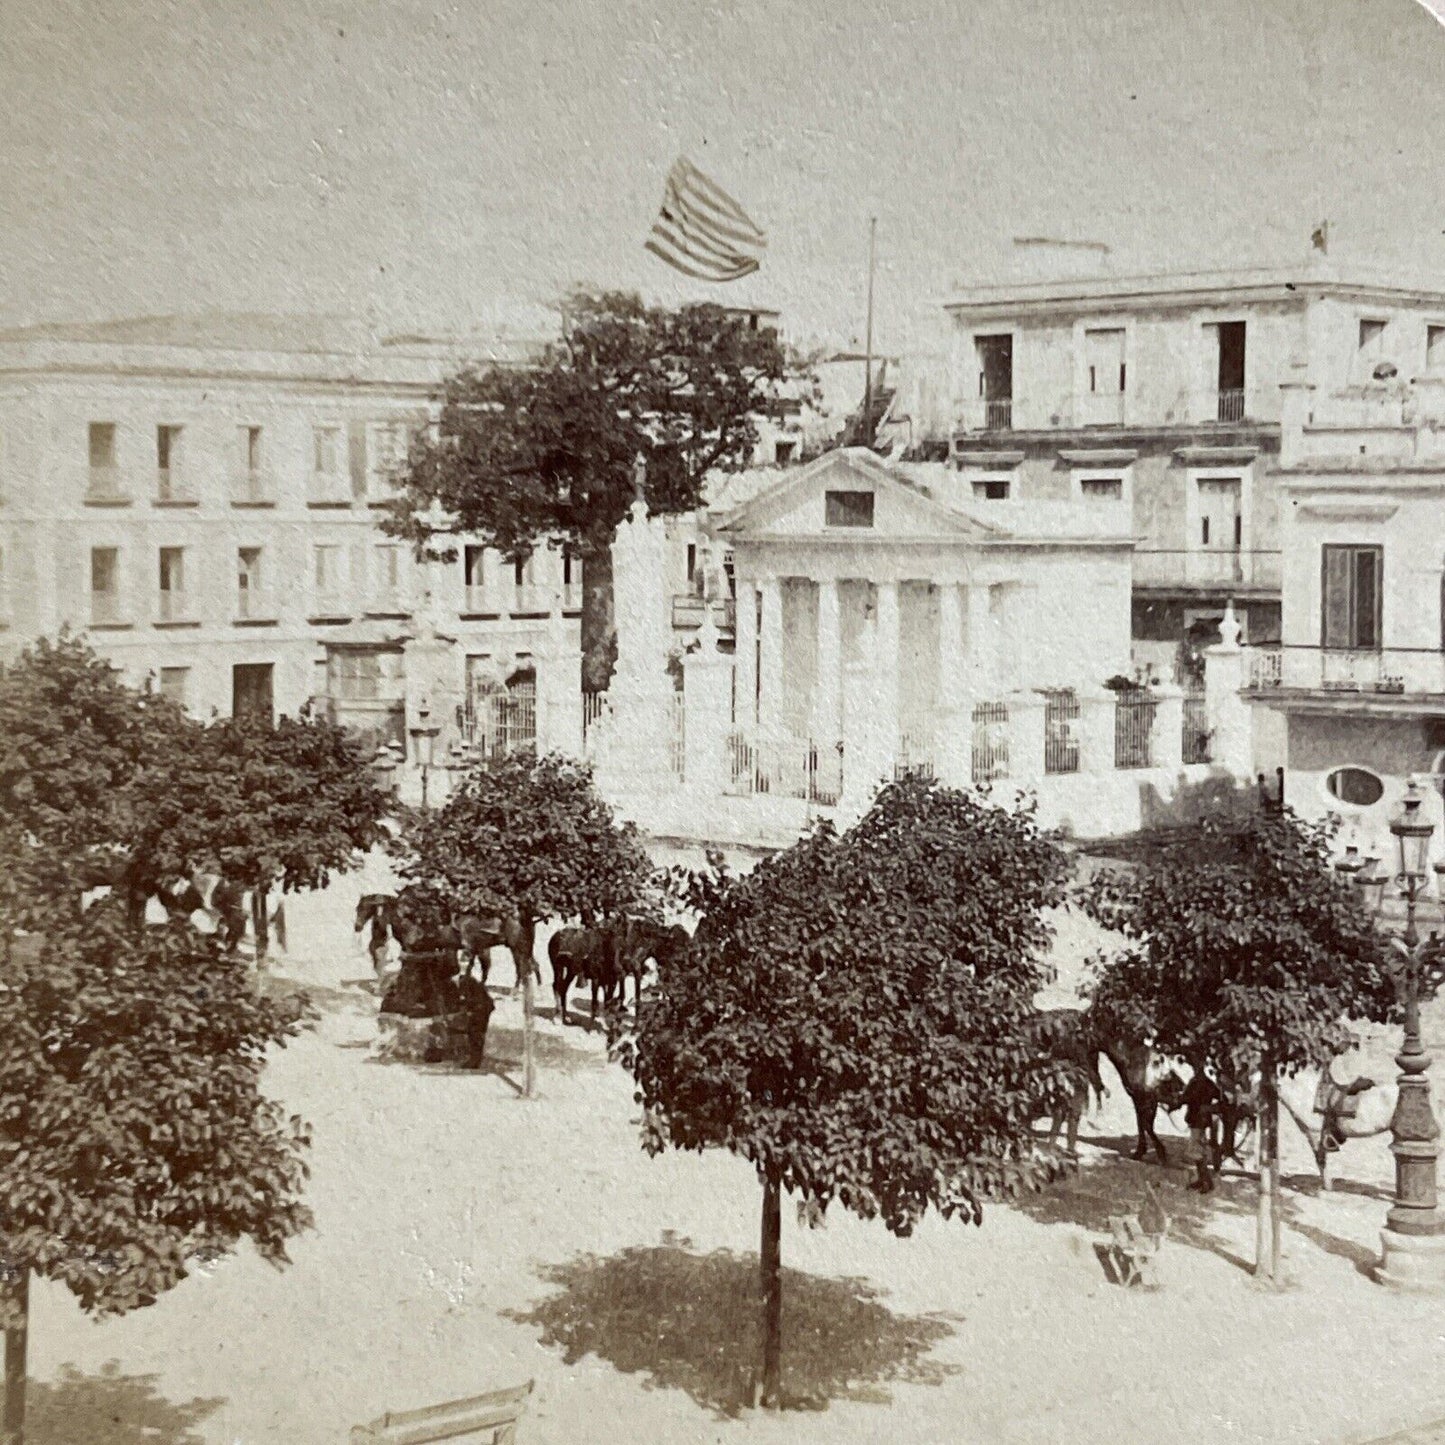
(1096, 730)
(953, 745)
(707, 705)
(980, 643)
(1231, 723)
(887, 662)
(1026, 734)
(867, 755)
(745, 651)
(1166, 732)
(559, 686)
(828, 686)
(770, 657)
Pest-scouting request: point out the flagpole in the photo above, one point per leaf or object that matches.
(868, 341)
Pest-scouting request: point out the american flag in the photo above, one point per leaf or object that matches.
(701, 231)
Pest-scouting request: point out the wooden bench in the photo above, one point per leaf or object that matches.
(497, 1412)
(1138, 1238)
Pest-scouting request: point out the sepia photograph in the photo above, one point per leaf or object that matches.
(722, 723)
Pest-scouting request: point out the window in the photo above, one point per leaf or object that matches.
(1230, 370)
(168, 447)
(326, 460)
(1221, 513)
(522, 572)
(572, 567)
(1108, 488)
(1435, 348)
(252, 691)
(1351, 597)
(172, 569)
(102, 443)
(474, 566)
(848, 509)
(388, 568)
(104, 584)
(1104, 360)
(326, 561)
(249, 440)
(995, 489)
(783, 452)
(248, 571)
(996, 380)
(1372, 340)
(1357, 786)
(691, 563)
(175, 684)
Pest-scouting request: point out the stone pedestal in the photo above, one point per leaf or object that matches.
(707, 714)
(1166, 733)
(1414, 1262)
(1228, 715)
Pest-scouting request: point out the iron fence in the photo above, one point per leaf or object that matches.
(1196, 739)
(1061, 731)
(785, 768)
(1133, 723)
(495, 723)
(990, 742)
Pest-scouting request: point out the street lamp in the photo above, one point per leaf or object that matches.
(424, 742)
(1414, 1233)
(385, 764)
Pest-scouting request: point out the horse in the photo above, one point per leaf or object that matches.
(583, 953)
(481, 932)
(1064, 1037)
(638, 942)
(234, 905)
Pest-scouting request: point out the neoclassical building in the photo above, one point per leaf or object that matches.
(880, 604)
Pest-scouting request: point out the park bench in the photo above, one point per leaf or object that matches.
(1138, 1238)
(471, 1420)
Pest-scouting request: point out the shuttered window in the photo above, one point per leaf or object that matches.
(1352, 593)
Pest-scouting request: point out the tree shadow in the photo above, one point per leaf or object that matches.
(110, 1409)
(1114, 1185)
(691, 1322)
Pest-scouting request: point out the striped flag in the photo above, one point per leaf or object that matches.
(701, 231)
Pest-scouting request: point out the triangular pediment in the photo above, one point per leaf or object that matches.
(871, 500)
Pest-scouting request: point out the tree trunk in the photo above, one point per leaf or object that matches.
(17, 1293)
(258, 923)
(771, 1260)
(1267, 1221)
(527, 968)
(599, 628)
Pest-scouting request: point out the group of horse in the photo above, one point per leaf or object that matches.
(227, 907)
(603, 954)
(1327, 1112)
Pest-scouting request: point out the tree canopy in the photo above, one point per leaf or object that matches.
(854, 1015)
(1241, 947)
(530, 836)
(543, 454)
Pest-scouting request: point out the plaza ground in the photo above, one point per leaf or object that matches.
(467, 1239)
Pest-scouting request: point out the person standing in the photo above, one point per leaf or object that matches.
(1201, 1103)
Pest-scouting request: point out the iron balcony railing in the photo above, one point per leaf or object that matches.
(1377, 672)
(1201, 567)
(1229, 404)
(252, 489)
(483, 599)
(172, 486)
(173, 605)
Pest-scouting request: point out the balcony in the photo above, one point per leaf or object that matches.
(530, 600)
(104, 488)
(687, 613)
(384, 601)
(483, 601)
(1380, 678)
(985, 414)
(1168, 570)
(1229, 405)
(252, 489)
(173, 489)
(331, 606)
(106, 611)
(175, 609)
(572, 597)
(256, 606)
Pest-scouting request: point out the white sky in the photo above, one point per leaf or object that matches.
(455, 164)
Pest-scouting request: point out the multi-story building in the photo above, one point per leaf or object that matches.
(200, 496)
(1359, 677)
(1161, 394)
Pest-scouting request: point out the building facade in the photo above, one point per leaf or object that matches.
(1359, 675)
(201, 497)
(1161, 396)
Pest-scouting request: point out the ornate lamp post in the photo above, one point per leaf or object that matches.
(1414, 1233)
(424, 742)
(384, 766)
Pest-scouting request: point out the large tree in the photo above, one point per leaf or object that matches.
(134, 1136)
(529, 837)
(855, 1018)
(544, 454)
(280, 805)
(1243, 954)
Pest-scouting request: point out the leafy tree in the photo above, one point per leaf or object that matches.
(134, 1136)
(529, 837)
(855, 1018)
(1244, 955)
(283, 805)
(544, 455)
(82, 758)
